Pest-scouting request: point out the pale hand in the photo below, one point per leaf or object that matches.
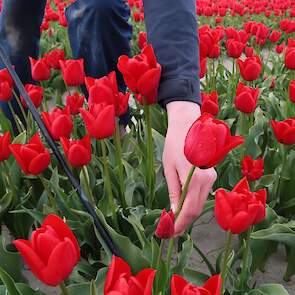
(181, 116)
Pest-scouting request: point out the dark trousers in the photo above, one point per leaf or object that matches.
(99, 32)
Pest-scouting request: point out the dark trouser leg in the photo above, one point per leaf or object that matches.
(172, 30)
(20, 22)
(99, 33)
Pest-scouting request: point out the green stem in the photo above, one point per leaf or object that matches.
(150, 156)
(13, 187)
(245, 260)
(44, 102)
(49, 193)
(203, 256)
(89, 192)
(117, 140)
(169, 254)
(159, 267)
(15, 117)
(225, 260)
(184, 190)
(284, 157)
(64, 289)
(107, 183)
(21, 107)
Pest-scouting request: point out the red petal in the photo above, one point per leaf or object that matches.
(60, 263)
(62, 229)
(31, 258)
(116, 268)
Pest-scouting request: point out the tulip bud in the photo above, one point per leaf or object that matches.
(165, 228)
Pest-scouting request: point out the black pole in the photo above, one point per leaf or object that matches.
(99, 226)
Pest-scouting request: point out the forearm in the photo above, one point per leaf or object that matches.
(172, 30)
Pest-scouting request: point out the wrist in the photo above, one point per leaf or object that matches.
(182, 113)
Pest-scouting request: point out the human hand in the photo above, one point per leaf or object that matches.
(181, 116)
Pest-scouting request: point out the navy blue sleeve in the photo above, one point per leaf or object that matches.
(172, 30)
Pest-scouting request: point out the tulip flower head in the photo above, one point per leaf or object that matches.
(165, 228)
(208, 141)
(99, 120)
(39, 69)
(73, 71)
(142, 74)
(238, 210)
(284, 131)
(78, 152)
(120, 280)
(210, 103)
(35, 93)
(179, 286)
(252, 169)
(58, 122)
(52, 252)
(32, 157)
(4, 146)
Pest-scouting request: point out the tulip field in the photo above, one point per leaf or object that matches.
(121, 239)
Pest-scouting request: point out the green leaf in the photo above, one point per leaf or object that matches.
(195, 277)
(277, 232)
(11, 262)
(8, 282)
(5, 203)
(183, 256)
(129, 252)
(21, 138)
(269, 289)
(23, 289)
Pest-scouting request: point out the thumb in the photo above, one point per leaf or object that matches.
(174, 187)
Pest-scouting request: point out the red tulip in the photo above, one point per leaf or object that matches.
(78, 152)
(280, 48)
(210, 103)
(73, 71)
(142, 40)
(105, 90)
(275, 36)
(142, 74)
(74, 102)
(179, 286)
(99, 120)
(120, 280)
(246, 98)
(5, 91)
(35, 93)
(203, 67)
(292, 91)
(208, 141)
(4, 146)
(284, 131)
(238, 210)
(39, 69)
(52, 252)
(58, 122)
(290, 58)
(53, 57)
(252, 169)
(250, 68)
(249, 51)
(32, 157)
(5, 77)
(165, 228)
(234, 48)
